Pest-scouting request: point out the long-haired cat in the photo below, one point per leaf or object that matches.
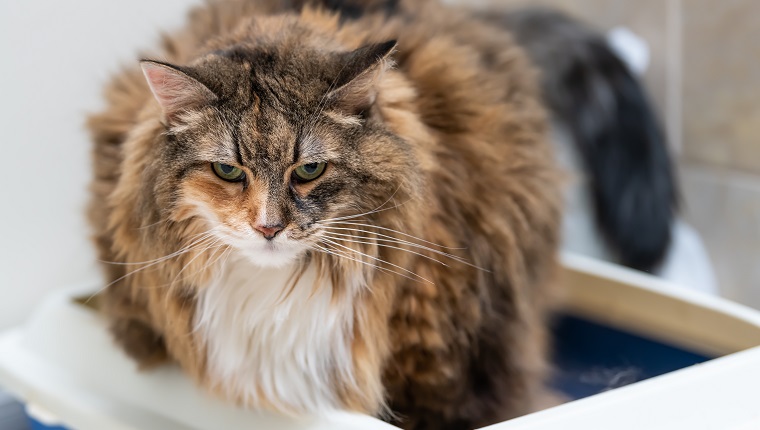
(348, 205)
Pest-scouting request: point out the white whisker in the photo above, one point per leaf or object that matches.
(206, 235)
(198, 243)
(152, 225)
(343, 254)
(384, 246)
(213, 244)
(391, 239)
(399, 241)
(391, 230)
(375, 258)
(373, 211)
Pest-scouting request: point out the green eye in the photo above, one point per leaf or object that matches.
(309, 172)
(227, 172)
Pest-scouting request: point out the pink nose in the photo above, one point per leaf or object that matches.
(269, 231)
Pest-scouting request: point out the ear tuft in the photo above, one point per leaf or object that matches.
(360, 71)
(174, 89)
(363, 60)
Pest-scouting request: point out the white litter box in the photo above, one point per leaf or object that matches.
(636, 352)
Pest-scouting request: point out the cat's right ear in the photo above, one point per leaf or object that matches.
(174, 89)
(361, 69)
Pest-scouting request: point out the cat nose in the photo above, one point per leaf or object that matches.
(269, 231)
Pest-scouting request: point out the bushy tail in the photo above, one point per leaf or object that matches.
(594, 95)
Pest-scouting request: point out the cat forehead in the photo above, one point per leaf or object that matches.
(285, 79)
(267, 141)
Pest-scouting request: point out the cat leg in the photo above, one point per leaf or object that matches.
(457, 366)
(140, 342)
(130, 325)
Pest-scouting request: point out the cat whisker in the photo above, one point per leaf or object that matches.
(342, 237)
(374, 211)
(194, 245)
(376, 259)
(206, 235)
(387, 238)
(205, 266)
(332, 251)
(226, 250)
(401, 241)
(153, 224)
(343, 254)
(391, 230)
(191, 247)
(150, 225)
(215, 245)
(377, 209)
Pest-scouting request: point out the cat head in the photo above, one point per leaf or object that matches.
(268, 144)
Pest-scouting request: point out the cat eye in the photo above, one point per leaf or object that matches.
(309, 172)
(227, 172)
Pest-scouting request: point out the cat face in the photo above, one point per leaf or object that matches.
(269, 152)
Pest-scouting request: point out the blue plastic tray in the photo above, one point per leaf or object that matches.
(590, 358)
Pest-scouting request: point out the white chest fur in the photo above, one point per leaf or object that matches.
(266, 347)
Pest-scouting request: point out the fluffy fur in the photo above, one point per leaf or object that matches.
(409, 281)
(294, 347)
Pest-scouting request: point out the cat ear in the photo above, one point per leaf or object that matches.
(355, 85)
(175, 90)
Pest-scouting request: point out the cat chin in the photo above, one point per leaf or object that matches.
(273, 261)
(272, 258)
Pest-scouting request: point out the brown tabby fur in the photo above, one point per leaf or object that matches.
(472, 172)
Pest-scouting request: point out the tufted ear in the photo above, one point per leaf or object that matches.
(355, 85)
(174, 89)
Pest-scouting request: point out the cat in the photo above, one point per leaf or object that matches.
(339, 205)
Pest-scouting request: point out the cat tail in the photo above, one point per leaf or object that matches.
(596, 98)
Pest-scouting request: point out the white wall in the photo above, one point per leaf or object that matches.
(54, 58)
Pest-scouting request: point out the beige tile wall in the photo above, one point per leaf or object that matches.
(656, 21)
(647, 18)
(724, 206)
(704, 75)
(721, 69)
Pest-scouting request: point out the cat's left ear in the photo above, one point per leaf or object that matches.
(360, 70)
(175, 90)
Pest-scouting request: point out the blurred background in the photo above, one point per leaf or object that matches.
(703, 77)
(56, 58)
(704, 80)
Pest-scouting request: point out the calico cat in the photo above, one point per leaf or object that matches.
(314, 206)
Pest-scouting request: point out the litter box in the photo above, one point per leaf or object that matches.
(633, 352)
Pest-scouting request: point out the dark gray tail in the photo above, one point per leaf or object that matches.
(594, 95)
